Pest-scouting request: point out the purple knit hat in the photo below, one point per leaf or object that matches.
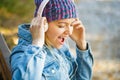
(57, 9)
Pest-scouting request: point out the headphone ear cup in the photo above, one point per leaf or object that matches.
(45, 24)
(46, 27)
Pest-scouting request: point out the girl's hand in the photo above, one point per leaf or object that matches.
(78, 34)
(38, 27)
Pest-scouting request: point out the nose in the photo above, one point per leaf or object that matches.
(68, 30)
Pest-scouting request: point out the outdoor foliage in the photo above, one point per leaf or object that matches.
(13, 13)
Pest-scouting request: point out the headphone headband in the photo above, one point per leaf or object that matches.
(41, 7)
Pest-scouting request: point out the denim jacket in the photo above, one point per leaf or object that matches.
(29, 62)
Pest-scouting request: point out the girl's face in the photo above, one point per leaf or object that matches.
(58, 31)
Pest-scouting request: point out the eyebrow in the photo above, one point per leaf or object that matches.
(66, 23)
(63, 23)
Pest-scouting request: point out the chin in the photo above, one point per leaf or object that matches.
(58, 47)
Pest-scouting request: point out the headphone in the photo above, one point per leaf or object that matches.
(40, 11)
(41, 7)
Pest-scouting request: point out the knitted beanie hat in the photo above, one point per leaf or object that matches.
(57, 9)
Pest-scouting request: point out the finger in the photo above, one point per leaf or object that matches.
(76, 23)
(32, 22)
(37, 21)
(79, 26)
(41, 22)
(43, 19)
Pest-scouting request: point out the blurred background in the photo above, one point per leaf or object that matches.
(100, 17)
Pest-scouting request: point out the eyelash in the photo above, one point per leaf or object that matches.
(61, 26)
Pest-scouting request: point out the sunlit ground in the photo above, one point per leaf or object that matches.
(106, 70)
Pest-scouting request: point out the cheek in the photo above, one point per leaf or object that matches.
(53, 33)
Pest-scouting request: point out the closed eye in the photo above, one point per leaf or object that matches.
(60, 26)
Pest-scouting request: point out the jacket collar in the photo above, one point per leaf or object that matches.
(24, 33)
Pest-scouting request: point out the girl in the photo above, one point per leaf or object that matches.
(41, 53)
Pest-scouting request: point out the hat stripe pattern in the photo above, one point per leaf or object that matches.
(57, 9)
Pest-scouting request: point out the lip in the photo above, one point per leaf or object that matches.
(61, 40)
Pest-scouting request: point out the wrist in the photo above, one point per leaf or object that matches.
(82, 45)
(37, 43)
